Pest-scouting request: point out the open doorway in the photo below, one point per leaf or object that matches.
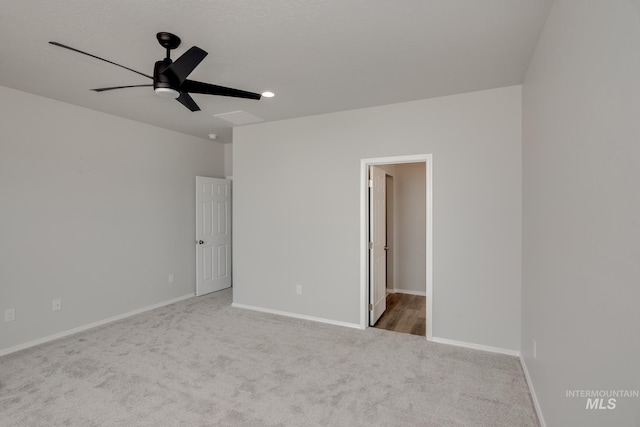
(396, 260)
(405, 243)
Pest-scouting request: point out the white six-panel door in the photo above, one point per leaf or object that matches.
(213, 234)
(378, 239)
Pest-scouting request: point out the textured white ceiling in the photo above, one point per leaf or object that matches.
(318, 56)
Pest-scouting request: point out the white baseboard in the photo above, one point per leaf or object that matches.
(407, 291)
(90, 326)
(476, 346)
(297, 316)
(536, 404)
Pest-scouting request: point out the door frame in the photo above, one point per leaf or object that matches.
(427, 159)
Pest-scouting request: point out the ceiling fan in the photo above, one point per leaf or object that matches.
(170, 77)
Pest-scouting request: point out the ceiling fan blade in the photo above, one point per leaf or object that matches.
(101, 59)
(188, 101)
(102, 89)
(209, 89)
(183, 66)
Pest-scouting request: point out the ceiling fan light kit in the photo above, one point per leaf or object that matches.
(170, 77)
(166, 92)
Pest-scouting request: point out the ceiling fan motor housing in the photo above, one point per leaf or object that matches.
(162, 84)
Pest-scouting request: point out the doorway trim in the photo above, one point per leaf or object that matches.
(364, 232)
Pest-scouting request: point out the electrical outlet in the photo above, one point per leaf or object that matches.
(170, 278)
(56, 304)
(299, 289)
(535, 349)
(10, 315)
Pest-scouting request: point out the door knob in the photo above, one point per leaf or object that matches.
(201, 242)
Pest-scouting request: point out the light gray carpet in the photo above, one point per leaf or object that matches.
(201, 362)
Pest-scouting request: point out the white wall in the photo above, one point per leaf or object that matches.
(581, 273)
(297, 210)
(410, 214)
(228, 159)
(95, 210)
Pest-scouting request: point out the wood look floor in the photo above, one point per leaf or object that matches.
(404, 313)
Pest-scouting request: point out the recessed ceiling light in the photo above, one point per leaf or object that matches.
(268, 94)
